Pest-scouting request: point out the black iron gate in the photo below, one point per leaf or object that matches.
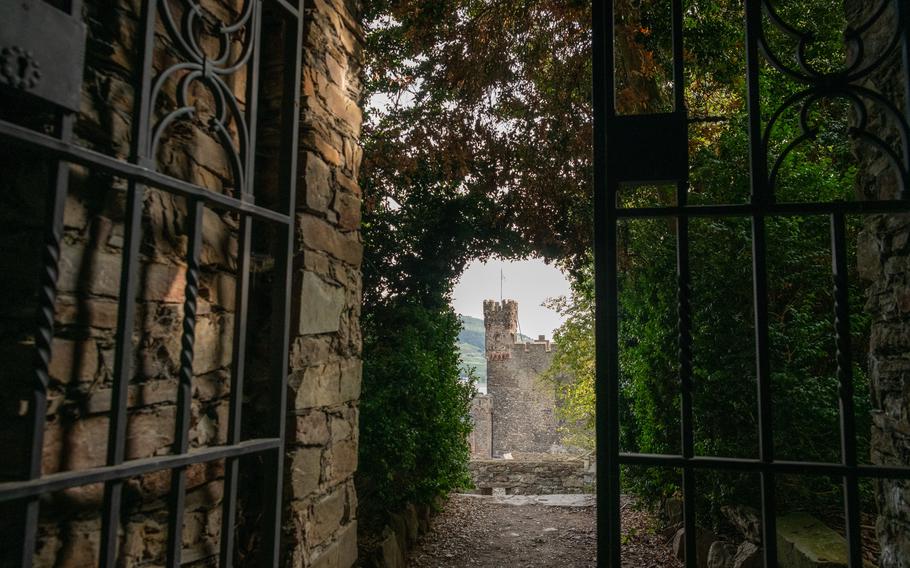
(42, 64)
(653, 149)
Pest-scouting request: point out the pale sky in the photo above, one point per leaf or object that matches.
(529, 282)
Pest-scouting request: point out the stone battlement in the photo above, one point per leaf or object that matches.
(500, 321)
(544, 346)
(493, 307)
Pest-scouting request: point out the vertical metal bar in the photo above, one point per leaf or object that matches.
(684, 315)
(684, 308)
(679, 68)
(845, 379)
(609, 551)
(185, 384)
(232, 469)
(123, 357)
(116, 443)
(252, 100)
(903, 14)
(281, 299)
(238, 364)
(54, 209)
(55, 205)
(760, 199)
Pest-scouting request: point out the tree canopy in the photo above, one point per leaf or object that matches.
(478, 142)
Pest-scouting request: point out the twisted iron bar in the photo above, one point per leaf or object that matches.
(684, 323)
(46, 302)
(188, 337)
(185, 381)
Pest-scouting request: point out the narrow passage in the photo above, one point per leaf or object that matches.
(538, 531)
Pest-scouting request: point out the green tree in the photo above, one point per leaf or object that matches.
(478, 142)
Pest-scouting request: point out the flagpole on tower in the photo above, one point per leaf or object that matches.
(501, 279)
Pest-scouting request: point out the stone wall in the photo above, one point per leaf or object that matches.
(523, 405)
(884, 264)
(320, 523)
(481, 438)
(533, 477)
(326, 342)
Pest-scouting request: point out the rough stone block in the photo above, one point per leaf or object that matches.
(341, 553)
(342, 426)
(150, 431)
(162, 282)
(805, 542)
(214, 343)
(219, 240)
(305, 471)
(83, 541)
(317, 183)
(315, 140)
(316, 386)
(400, 530)
(343, 108)
(98, 313)
(721, 554)
(311, 428)
(392, 555)
(703, 541)
(411, 524)
(328, 514)
(220, 289)
(83, 443)
(321, 304)
(310, 350)
(340, 461)
(748, 555)
(746, 519)
(351, 379)
(347, 205)
(868, 255)
(347, 545)
(88, 270)
(73, 360)
(317, 234)
(348, 184)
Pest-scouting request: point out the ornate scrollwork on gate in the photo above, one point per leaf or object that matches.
(189, 31)
(846, 83)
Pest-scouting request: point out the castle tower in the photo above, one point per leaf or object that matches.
(522, 406)
(500, 321)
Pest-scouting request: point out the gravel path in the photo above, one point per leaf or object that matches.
(518, 531)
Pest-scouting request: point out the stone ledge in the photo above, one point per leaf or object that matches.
(532, 477)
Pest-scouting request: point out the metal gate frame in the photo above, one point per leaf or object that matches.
(651, 148)
(141, 172)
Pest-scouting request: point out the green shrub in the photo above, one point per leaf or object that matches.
(414, 407)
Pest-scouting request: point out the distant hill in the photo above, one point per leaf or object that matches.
(471, 344)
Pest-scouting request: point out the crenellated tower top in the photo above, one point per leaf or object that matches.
(500, 320)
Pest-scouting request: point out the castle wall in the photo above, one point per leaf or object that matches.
(523, 406)
(523, 417)
(481, 438)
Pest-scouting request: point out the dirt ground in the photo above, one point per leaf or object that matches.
(547, 531)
